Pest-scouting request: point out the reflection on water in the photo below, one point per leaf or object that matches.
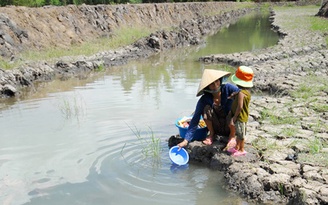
(72, 142)
(248, 34)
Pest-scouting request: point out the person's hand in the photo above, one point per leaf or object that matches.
(232, 123)
(183, 144)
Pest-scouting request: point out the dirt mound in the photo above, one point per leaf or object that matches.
(25, 28)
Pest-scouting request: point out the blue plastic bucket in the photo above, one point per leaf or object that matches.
(179, 157)
(199, 135)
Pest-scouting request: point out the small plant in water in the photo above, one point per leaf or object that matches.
(71, 108)
(151, 146)
(100, 68)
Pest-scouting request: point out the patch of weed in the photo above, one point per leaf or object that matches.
(318, 159)
(289, 131)
(278, 117)
(151, 145)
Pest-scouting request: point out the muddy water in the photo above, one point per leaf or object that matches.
(89, 141)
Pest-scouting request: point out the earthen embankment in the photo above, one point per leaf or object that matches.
(24, 28)
(287, 133)
(38, 28)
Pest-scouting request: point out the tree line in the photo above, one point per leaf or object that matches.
(39, 3)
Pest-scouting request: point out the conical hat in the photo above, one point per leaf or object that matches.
(209, 76)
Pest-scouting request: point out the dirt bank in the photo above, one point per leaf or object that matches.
(287, 141)
(23, 28)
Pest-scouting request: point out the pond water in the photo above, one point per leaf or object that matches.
(88, 141)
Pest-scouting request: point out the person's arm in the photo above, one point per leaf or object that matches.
(232, 89)
(183, 143)
(227, 90)
(194, 121)
(192, 128)
(239, 106)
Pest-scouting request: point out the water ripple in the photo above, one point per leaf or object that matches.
(141, 178)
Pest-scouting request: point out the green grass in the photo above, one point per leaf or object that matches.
(278, 117)
(281, 189)
(311, 94)
(121, 37)
(315, 154)
(319, 24)
(100, 68)
(319, 107)
(311, 85)
(150, 145)
(318, 126)
(304, 20)
(5, 64)
(318, 159)
(262, 144)
(304, 91)
(289, 131)
(315, 145)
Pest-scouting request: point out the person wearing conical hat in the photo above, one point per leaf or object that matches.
(213, 106)
(239, 113)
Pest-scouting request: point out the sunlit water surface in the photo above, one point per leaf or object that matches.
(85, 141)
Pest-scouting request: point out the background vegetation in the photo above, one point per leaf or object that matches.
(38, 3)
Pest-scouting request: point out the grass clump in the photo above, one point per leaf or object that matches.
(318, 126)
(278, 118)
(319, 159)
(316, 154)
(304, 91)
(289, 131)
(310, 91)
(315, 145)
(5, 64)
(151, 146)
(72, 107)
(318, 107)
(100, 68)
(263, 144)
(319, 24)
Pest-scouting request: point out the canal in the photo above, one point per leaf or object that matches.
(91, 141)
